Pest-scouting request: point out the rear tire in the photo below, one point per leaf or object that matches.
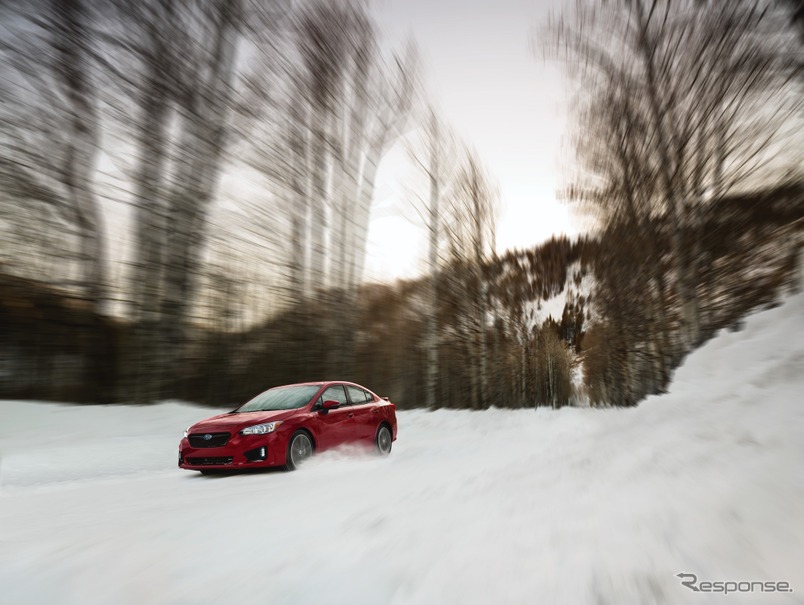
(383, 440)
(300, 448)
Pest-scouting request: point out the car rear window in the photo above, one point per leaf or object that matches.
(358, 395)
(335, 393)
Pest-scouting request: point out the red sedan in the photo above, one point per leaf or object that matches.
(284, 426)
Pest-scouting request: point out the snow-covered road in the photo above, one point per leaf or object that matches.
(573, 506)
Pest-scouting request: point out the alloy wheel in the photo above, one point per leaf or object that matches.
(301, 448)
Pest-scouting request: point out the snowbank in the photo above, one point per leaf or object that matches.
(570, 506)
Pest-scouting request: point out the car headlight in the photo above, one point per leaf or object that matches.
(186, 431)
(261, 429)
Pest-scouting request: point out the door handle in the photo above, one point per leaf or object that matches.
(350, 415)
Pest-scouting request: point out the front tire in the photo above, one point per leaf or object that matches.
(383, 440)
(300, 448)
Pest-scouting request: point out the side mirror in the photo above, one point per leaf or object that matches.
(330, 404)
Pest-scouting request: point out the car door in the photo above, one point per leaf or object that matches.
(337, 425)
(363, 406)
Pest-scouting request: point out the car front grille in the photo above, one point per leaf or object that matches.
(213, 440)
(209, 461)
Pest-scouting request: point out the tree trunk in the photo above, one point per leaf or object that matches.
(432, 318)
(647, 52)
(205, 127)
(71, 45)
(143, 361)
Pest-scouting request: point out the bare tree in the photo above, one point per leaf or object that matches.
(470, 233)
(706, 95)
(434, 172)
(50, 128)
(206, 108)
(183, 63)
(50, 124)
(327, 111)
(358, 104)
(436, 158)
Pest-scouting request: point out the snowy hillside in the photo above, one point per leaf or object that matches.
(570, 506)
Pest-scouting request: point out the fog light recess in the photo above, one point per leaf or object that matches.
(257, 454)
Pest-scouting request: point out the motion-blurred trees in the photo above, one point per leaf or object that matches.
(233, 146)
(49, 127)
(49, 132)
(437, 163)
(182, 87)
(459, 217)
(331, 109)
(679, 105)
(469, 225)
(304, 95)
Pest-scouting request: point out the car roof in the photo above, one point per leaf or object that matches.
(328, 382)
(320, 383)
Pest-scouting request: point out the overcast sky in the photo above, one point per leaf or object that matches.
(500, 97)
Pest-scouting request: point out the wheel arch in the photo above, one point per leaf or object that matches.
(310, 434)
(383, 424)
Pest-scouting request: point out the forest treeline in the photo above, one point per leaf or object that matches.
(186, 190)
(602, 344)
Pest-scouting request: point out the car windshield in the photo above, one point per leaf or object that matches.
(281, 398)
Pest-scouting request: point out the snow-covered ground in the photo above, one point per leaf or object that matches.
(574, 506)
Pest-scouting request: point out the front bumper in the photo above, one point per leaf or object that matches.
(240, 452)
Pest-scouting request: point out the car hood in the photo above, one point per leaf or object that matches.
(231, 423)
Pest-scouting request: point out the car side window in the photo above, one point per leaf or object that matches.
(358, 395)
(335, 393)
